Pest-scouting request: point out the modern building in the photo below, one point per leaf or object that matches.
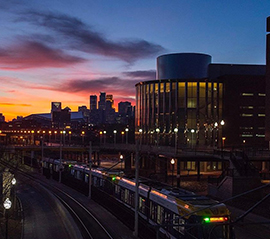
(102, 101)
(267, 122)
(191, 98)
(93, 102)
(2, 118)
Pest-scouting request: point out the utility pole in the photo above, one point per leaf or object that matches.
(136, 224)
(90, 169)
(60, 166)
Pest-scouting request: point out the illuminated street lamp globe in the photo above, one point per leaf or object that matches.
(13, 181)
(222, 122)
(175, 130)
(192, 131)
(7, 204)
(172, 161)
(140, 130)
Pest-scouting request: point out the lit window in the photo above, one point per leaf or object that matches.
(260, 135)
(246, 135)
(246, 107)
(261, 115)
(247, 94)
(246, 127)
(261, 94)
(246, 115)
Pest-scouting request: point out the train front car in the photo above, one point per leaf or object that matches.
(204, 218)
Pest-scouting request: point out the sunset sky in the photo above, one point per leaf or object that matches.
(66, 50)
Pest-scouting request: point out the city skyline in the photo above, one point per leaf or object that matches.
(65, 51)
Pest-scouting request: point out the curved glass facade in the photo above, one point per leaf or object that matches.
(178, 111)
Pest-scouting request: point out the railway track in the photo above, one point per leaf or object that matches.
(88, 224)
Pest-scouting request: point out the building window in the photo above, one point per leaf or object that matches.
(246, 115)
(247, 94)
(246, 135)
(260, 135)
(246, 107)
(261, 115)
(246, 127)
(261, 94)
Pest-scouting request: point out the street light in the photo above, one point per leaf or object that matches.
(121, 159)
(122, 133)
(172, 163)
(7, 205)
(100, 138)
(175, 132)
(192, 132)
(104, 132)
(115, 132)
(140, 131)
(157, 130)
(126, 135)
(83, 134)
(64, 134)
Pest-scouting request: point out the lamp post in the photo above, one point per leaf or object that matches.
(122, 133)
(222, 123)
(104, 132)
(114, 133)
(176, 134)
(121, 160)
(7, 205)
(100, 138)
(83, 134)
(60, 165)
(192, 132)
(69, 137)
(126, 135)
(50, 135)
(157, 131)
(64, 135)
(90, 170)
(42, 153)
(172, 163)
(140, 131)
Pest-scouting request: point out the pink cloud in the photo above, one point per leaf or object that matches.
(32, 54)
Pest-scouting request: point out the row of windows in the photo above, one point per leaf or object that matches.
(251, 135)
(250, 107)
(252, 94)
(157, 213)
(251, 115)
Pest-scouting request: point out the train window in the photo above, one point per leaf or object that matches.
(153, 209)
(126, 195)
(122, 195)
(117, 189)
(142, 205)
(160, 212)
(72, 172)
(86, 177)
(131, 199)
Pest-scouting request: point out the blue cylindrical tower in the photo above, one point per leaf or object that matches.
(183, 66)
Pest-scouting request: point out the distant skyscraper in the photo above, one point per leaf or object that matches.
(56, 106)
(123, 107)
(102, 101)
(93, 102)
(110, 98)
(2, 118)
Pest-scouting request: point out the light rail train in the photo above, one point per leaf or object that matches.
(176, 212)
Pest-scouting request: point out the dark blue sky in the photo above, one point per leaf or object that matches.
(66, 50)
